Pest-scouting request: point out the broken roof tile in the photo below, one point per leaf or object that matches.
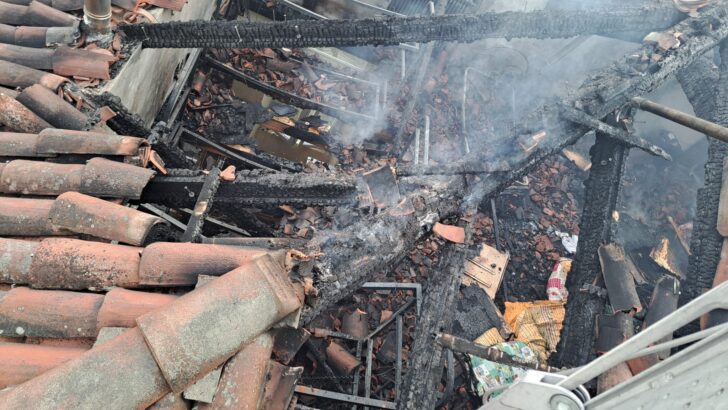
(22, 362)
(81, 213)
(179, 264)
(244, 376)
(98, 177)
(57, 314)
(451, 233)
(180, 335)
(60, 263)
(71, 62)
(341, 360)
(618, 271)
(281, 384)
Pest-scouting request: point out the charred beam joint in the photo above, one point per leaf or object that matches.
(633, 141)
(193, 231)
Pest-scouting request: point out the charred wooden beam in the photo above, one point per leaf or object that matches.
(124, 122)
(631, 140)
(425, 367)
(597, 227)
(238, 158)
(285, 96)
(373, 245)
(612, 88)
(179, 189)
(202, 208)
(353, 256)
(707, 90)
(397, 30)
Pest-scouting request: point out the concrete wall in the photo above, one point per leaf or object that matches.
(147, 78)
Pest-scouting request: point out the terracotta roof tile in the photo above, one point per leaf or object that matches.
(64, 263)
(179, 264)
(27, 217)
(280, 386)
(16, 75)
(121, 307)
(98, 177)
(22, 362)
(17, 117)
(64, 314)
(34, 14)
(52, 108)
(60, 314)
(172, 401)
(71, 213)
(172, 347)
(85, 214)
(243, 377)
(181, 334)
(29, 36)
(60, 263)
(16, 257)
(59, 141)
(18, 145)
(120, 373)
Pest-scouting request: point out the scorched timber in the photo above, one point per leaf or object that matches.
(180, 189)
(597, 227)
(425, 367)
(608, 90)
(707, 91)
(346, 264)
(603, 93)
(396, 30)
(353, 256)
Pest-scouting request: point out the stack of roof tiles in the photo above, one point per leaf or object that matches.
(62, 246)
(174, 339)
(71, 248)
(41, 49)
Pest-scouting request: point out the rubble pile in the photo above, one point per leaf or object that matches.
(337, 204)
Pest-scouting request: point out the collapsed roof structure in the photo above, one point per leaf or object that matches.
(281, 204)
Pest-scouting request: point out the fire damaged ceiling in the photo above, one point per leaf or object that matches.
(314, 204)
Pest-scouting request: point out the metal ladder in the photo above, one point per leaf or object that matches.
(695, 378)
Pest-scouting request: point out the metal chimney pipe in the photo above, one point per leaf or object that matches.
(97, 15)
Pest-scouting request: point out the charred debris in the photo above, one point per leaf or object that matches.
(349, 204)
